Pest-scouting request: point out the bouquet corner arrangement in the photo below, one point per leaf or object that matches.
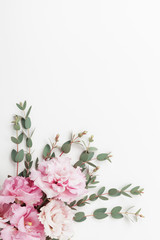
(44, 200)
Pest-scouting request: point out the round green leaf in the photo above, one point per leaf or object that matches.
(100, 213)
(13, 154)
(20, 155)
(93, 197)
(113, 192)
(102, 157)
(66, 147)
(115, 213)
(79, 217)
(46, 150)
(84, 156)
(16, 127)
(14, 140)
(28, 157)
(29, 142)
(27, 123)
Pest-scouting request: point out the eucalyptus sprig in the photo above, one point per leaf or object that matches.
(101, 194)
(23, 123)
(48, 149)
(102, 213)
(17, 154)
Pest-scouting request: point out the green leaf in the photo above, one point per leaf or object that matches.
(90, 156)
(101, 190)
(28, 157)
(29, 110)
(29, 142)
(19, 156)
(124, 188)
(103, 198)
(20, 138)
(46, 151)
(23, 122)
(126, 194)
(72, 203)
(13, 154)
(91, 164)
(93, 197)
(36, 163)
(24, 105)
(102, 157)
(79, 217)
(28, 165)
(135, 190)
(52, 155)
(14, 140)
(84, 156)
(27, 123)
(92, 149)
(16, 127)
(113, 192)
(66, 147)
(19, 106)
(115, 213)
(100, 213)
(138, 211)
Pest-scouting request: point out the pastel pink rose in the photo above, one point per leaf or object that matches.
(57, 220)
(25, 225)
(21, 189)
(58, 179)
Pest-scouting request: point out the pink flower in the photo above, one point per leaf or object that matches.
(21, 189)
(4, 215)
(57, 220)
(58, 178)
(25, 225)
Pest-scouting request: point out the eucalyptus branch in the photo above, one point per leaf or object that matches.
(101, 194)
(102, 213)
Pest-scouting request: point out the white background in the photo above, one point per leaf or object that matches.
(89, 65)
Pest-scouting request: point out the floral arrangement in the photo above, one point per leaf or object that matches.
(42, 201)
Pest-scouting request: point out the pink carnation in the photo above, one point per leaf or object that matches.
(4, 215)
(25, 225)
(57, 220)
(21, 189)
(58, 178)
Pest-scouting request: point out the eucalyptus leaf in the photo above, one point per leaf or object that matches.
(20, 155)
(124, 188)
(115, 213)
(92, 149)
(103, 198)
(84, 156)
(102, 157)
(79, 217)
(113, 192)
(101, 190)
(93, 197)
(100, 213)
(28, 157)
(29, 142)
(27, 123)
(13, 154)
(46, 150)
(66, 147)
(20, 138)
(126, 194)
(14, 140)
(29, 110)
